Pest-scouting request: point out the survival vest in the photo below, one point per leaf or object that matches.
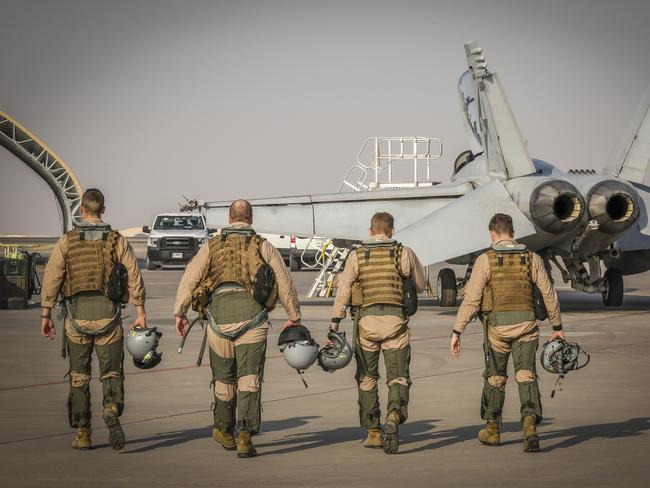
(508, 297)
(90, 259)
(380, 280)
(236, 262)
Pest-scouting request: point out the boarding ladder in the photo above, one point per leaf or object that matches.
(381, 163)
(324, 285)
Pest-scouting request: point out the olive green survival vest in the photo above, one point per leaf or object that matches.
(228, 291)
(89, 261)
(380, 281)
(508, 297)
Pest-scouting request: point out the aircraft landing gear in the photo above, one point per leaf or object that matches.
(608, 284)
(613, 288)
(447, 290)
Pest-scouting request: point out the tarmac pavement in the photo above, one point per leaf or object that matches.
(595, 431)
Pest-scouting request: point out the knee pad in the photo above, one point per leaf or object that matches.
(79, 380)
(109, 375)
(497, 381)
(249, 382)
(398, 381)
(224, 391)
(525, 376)
(366, 383)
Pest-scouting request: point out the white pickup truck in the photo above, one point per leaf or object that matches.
(174, 239)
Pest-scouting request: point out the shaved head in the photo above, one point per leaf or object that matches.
(241, 211)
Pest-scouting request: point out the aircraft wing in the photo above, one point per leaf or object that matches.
(461, 227)
(632, 155)
(340, 215)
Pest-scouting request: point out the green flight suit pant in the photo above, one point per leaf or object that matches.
(496, 373)
(397, 367)
(111, 368)
(242, 371)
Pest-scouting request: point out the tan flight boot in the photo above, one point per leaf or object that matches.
(374, 439)
(391, 433)
(245, 447)
(115, 433)
(226, 439)
(531, 439)
(81, 439)
(490, 436)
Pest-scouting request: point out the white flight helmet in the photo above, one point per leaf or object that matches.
(299, 349)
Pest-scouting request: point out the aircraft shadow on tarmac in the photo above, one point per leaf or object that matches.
(412, 433)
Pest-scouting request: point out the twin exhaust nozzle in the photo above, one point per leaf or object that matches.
(614, 205)
(557, 206)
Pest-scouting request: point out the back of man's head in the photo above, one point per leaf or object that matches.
(501, 224)
(241, 211)
(382, 223)
(93, 202)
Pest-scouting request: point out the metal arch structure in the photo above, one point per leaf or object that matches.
(45, 163)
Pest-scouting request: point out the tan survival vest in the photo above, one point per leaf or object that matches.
(89, 260)
(508, 297)
(235, 259)
(380, 280)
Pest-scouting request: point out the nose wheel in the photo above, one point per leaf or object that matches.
(447, 290)
(614, 289)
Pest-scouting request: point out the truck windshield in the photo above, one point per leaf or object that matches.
(178, 222)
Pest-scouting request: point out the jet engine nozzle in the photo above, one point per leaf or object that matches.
(556, 206)
(614, 205)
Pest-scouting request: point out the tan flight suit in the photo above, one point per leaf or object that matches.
(504, 338)
(93, 311)
(237, 359)
(380, 329)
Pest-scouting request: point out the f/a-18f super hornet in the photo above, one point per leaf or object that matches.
(592, 225)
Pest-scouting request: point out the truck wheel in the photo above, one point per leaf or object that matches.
(294, 263)
(447, 290)
(614, 289)
(151, 266)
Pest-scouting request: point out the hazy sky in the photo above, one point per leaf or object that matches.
(150, 100)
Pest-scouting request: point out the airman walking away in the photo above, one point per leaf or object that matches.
(235, 280)
(95, 270)
(380, 282)
(506, 291)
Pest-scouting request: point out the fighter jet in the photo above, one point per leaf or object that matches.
(593, 226)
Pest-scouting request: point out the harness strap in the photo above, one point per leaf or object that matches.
(64, 343)
(256, 321)
(79, 329)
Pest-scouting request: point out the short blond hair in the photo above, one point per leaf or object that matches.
(502, 224)
(381, 223)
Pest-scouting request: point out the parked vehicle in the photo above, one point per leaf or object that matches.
(174, 239)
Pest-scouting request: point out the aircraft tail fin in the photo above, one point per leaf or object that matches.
(632, 155)
(499, 132)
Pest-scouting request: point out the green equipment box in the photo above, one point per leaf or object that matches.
(14, 280)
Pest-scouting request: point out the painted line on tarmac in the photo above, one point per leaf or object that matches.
(275, 400)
